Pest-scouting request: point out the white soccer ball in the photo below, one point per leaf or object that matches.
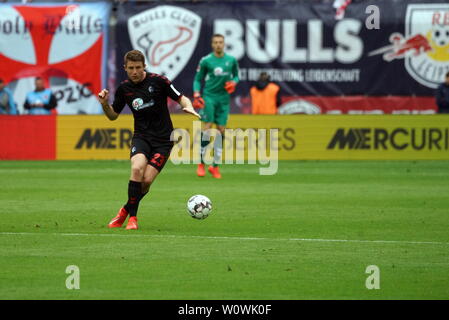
(199, 206)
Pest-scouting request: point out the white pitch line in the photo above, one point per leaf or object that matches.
(223, 238)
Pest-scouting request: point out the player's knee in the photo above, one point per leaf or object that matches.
(137, 172)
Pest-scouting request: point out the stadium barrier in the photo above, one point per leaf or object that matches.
(299, 137)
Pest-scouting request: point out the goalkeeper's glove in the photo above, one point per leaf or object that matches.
(230, 86)
(198, 102)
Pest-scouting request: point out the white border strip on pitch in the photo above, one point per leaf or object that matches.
(221, 237)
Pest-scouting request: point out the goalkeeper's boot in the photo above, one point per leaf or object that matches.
(215, 172)
(118, 219)
(132, 223)
(201, 172)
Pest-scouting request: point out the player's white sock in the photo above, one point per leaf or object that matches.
(218, 150)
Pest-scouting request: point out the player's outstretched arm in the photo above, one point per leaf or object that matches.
(187, 107)
(103, 96)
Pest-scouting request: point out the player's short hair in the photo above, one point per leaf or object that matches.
(447, 74)
(135, 56)
(217, 35)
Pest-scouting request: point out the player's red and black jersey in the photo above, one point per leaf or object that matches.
(148, 103)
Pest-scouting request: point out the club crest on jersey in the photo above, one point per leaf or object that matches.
(150, 89)
(167, 35)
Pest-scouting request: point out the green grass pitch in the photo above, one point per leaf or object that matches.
(268, 237)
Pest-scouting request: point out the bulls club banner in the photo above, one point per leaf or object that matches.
(380, 57)
(63, 44)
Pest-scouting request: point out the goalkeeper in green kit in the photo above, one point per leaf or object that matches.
(220, 74)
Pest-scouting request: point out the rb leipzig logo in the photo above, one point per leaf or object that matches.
(425, 46)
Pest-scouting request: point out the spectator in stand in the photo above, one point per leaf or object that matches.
(442, 96)
(265, 97)
(41, 100)
(7, 104)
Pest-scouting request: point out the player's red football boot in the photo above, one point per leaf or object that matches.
(132, 224)
(215, 172)
(118, 219)
(201, 172)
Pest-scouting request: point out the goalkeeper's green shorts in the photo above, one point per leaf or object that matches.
(216, 109)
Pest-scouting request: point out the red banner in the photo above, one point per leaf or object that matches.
(349, 105)
(28, 137)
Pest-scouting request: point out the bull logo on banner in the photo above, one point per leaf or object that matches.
(425, 46)
(63, 44)
(167, 36)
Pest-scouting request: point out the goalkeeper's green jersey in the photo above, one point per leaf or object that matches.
(215, 71)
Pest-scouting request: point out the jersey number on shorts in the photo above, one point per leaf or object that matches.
(158, 160)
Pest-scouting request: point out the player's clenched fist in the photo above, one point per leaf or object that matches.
(103, 95)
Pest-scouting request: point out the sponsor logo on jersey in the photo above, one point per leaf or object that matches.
(137, 103)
